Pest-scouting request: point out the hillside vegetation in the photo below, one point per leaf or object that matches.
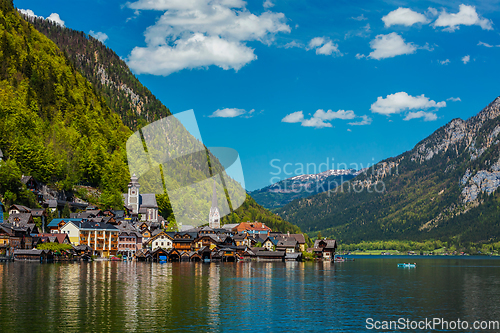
(64, 130)
(445, 188)
(53, 124)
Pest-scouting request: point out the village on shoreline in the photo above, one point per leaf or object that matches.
(139, 233)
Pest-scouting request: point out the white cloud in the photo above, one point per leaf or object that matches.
(432, 12)
(295, 117)
(454, 99)
(428, 116)
(401, 101)
(466, 59)
(360, 56)
(229, 113)
(293, 44)
(320, 119)
(466, 15)
(316, 123)
(330, 115)
(486, 44)
(366, 121)
(268, 4)
(324, 46)
(391, 45)
(202, 33)
(404, 16)
(28, 12)
(101, 36)
(349, 130)
(54, 17)
(316, 41)
(444, 62)
(363, 32)
(360, 18)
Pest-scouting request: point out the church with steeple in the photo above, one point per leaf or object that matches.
(143, 204)
(214, 216)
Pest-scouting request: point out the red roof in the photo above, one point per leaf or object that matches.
(257, 226)
(60, 237)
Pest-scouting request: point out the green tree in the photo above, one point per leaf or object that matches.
(54, 247)
(66, 211)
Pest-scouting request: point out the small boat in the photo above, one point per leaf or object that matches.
(405, 265)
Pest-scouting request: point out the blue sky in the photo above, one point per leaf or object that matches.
(303, 82)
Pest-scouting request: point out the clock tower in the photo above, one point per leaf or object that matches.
(133, 194)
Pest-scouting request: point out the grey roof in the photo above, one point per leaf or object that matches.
(52, 203)
(148, 200)
(20, 220)
(295, 256)
(270, 254)
(83, 247)
(156, 232)
(330, 243)
(25, 179)
(299, 238)
(32, 252)
(287, 243)
(239, 236)
(230, 226)
(21, 208)
(97, 226)
(119, 213)
(37, 212)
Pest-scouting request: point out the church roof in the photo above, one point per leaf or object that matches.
(134, 181)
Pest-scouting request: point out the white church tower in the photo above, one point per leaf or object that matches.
(133, 194)
(214, 216)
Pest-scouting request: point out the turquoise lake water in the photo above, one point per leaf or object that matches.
(244, 296)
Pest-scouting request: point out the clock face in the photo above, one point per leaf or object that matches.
(132, 192)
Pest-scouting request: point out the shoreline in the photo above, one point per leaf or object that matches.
(405, 256)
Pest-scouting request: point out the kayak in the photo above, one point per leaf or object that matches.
(407, 265)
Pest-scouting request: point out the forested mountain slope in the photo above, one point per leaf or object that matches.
(445, 187)
(109, 74)
(52, 122)
(58, 127)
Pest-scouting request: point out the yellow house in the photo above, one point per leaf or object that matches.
(73, 232)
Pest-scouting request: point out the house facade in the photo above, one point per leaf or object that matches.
(101, 237)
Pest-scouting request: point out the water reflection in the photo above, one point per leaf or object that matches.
(227, 297)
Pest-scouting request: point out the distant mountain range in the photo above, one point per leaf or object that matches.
(445, 188)
(283, 192)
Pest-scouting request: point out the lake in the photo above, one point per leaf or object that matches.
(244, 296)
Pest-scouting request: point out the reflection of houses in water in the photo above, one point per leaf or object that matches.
(214, 297)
